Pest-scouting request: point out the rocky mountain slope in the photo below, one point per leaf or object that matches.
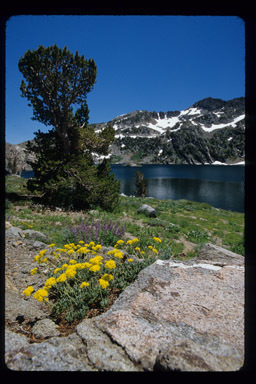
(211, 130)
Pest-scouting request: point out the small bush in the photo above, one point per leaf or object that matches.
(197, 236)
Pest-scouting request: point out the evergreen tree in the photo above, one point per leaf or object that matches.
(64, 170)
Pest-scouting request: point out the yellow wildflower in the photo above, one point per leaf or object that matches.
(94, 268)
(130, 260)
(119, 242)
(41, 253)
(28, 290)
(118, 254)
(64, 266)
(41, 294)
(51, 245)
(36, 258)
(33, 271)
(70, 272)
(150, 247)
(57, 270)
(71, 251)
(91, 244)
(157, 239)
(137, 249)
(72, 261)
(83, 250)
(61, 278)
(84, 284)
(78, 266)
(86, 265)
(81, 242)
(107, 277)
(129, 242)
(103, 283)
(96, 260)
(44, 260)
(110, 264)
(155, 250)
(50, 282)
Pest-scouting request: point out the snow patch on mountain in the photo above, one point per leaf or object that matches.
(219, 126)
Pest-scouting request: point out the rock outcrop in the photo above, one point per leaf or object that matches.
(16, 158)
(185, 316)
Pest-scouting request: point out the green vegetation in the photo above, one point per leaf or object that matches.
(182, 225)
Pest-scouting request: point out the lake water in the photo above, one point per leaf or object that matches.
(221, 186)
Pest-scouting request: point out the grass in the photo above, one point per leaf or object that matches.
(184, 226)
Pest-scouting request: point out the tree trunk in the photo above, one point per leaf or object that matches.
(65, 141)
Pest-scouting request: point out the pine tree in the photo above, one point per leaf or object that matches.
(64, 170)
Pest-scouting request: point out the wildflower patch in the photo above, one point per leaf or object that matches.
(80, 279)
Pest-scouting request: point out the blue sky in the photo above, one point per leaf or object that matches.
(154, 63)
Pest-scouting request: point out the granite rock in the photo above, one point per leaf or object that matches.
(45, 328)
(214, 253)
(182, 317)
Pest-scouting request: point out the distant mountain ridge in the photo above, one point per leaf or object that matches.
(210, 131)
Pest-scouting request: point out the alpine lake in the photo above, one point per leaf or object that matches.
(221, 186)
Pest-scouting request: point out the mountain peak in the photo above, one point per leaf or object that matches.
(212, 104)
(209, 103)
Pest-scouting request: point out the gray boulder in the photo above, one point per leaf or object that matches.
(147, 210)
(56, 354)
(35, 234)
(216, 254)
(45, 328)
(14, 232)
(20, 310)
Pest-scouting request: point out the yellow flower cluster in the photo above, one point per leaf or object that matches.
(40, 257)
(116, 253)
(28, 290)
(104, 281)
(41, 295)
(110, 264)
(84, 284)
(33, 271)
(132, 241)
(69, 269)
(137, 250)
